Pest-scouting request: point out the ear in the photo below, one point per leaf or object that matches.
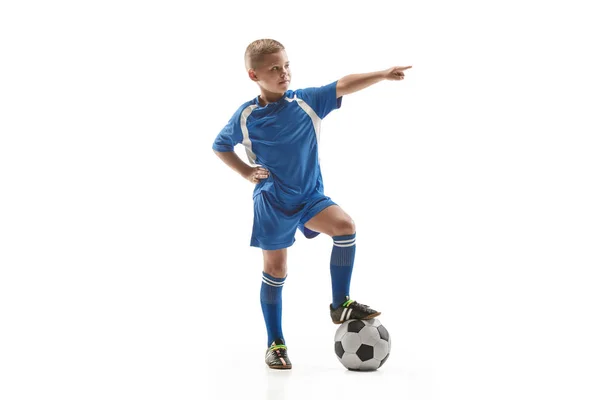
(252, 75)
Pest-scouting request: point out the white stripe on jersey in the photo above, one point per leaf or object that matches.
(311, 113)
(246, 136)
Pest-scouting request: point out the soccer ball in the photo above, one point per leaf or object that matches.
(362, 345)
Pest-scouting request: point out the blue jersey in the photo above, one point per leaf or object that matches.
(283, 137)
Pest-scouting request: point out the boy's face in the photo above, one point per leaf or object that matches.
(274, 74)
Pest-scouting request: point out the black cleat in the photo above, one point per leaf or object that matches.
(276, 356)
(351, 309)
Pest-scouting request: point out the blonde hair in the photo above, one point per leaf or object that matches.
(257, 49)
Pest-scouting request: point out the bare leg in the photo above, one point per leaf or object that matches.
(332, 221)
(275, 262)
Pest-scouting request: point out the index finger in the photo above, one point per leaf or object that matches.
(404, 68)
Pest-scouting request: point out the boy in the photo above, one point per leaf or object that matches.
(280, 131)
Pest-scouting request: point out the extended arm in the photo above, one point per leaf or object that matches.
(355, 82)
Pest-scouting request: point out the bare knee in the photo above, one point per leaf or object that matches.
(343, 226)
(275, 263)
(276, 270)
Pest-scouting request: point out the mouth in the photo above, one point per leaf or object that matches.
(284, 82)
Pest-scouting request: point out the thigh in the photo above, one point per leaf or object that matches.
(332, 221)
(317, 203)
(275, 262)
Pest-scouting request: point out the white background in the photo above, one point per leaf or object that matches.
(126, 270)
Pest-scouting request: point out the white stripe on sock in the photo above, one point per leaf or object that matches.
(344, 241)
(344, 245)
(272, 283)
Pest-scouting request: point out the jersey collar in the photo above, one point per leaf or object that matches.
(287, 94)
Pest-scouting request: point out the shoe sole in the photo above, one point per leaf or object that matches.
(367, 317)
(280, 366)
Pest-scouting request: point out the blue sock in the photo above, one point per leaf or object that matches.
(342, 261)
(270, 301)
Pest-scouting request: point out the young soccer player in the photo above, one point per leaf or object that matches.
(280, 131)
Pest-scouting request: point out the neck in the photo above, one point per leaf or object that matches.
(267, 97)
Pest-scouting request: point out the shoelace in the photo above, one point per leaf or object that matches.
(355, 305)
(279, 349)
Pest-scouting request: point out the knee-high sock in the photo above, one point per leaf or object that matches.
(342, 262)
(270, 301)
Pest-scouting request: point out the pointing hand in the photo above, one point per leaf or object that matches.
(396, 73)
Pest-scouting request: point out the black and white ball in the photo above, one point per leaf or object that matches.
(362, 345)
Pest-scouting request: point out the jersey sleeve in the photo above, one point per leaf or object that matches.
(322, 99)
(229, 136)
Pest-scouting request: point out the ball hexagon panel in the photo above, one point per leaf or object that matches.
(370, 365)
(369, 335)
(341, 331)
(351, 342)
(374, 322)
(380, 350)
(351, 361)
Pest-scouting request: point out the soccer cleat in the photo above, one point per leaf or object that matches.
(351, 309)
(276, 356)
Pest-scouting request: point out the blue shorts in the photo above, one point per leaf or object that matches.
(275, 224)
